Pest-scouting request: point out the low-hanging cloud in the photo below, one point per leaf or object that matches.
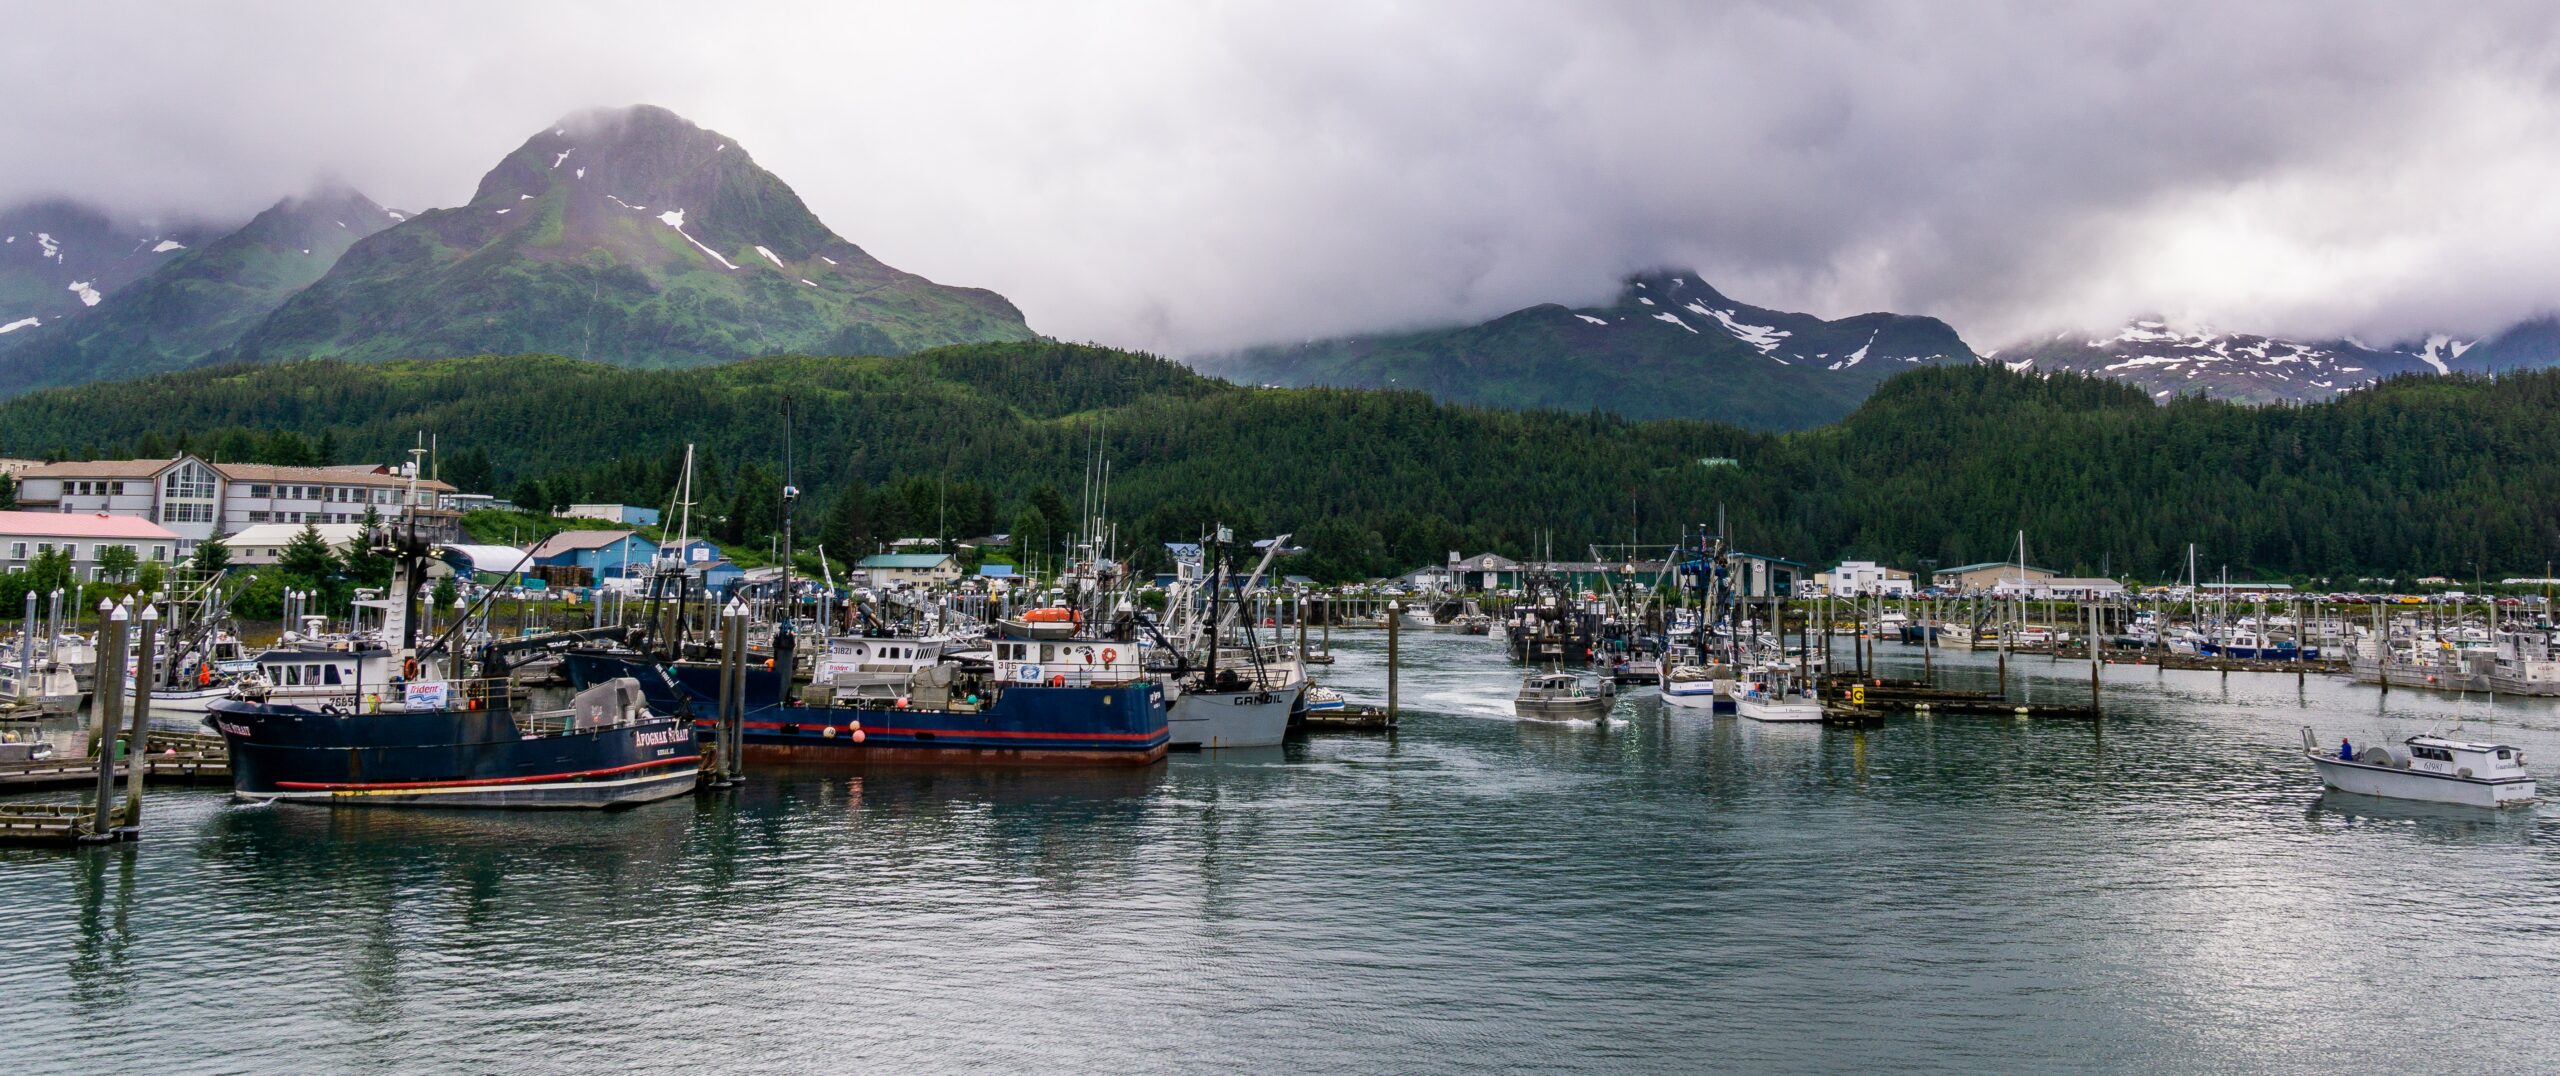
(1188, 177)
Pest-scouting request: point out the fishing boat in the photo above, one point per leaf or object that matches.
(43, 686)
(2430, 768)
(2249, 644)
(1699, 687)
(2525, 664)
(1559, 696)
(1238, 695)
(1772, 694)
(951, 713)
(405, 725)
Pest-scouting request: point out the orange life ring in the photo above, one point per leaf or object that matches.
(1110, 656)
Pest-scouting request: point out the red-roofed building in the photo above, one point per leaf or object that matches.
(23, 535)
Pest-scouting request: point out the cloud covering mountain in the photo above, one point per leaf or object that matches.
(1201, 177)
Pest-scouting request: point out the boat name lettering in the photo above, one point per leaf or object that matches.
(241, 731)
(661, 737)
(1252, 700)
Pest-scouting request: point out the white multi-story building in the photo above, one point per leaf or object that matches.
(197, 499)
(1864, 579)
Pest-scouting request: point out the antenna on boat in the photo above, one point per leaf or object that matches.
(790, 503)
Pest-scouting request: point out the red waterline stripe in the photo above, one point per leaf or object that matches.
(696, 759)
(1160, 731)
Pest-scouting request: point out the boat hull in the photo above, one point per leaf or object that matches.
(1761, 708)
(1585, 709)
(1214, 720)
(1707, 695)
(2393, 782)
(448, 758)
(1025, 725)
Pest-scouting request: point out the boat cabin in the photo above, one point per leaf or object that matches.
(1073, 662)
(2458, 758)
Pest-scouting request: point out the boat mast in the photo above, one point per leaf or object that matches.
(790, 501)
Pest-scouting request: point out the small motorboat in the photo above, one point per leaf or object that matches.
(1559, 696)
(2429, 768)
(25, 751)
(1321, 699)
(1772, 694)
(1697, 686)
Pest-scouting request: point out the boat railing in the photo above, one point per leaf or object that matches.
(1077, 676)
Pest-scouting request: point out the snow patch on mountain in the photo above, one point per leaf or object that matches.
(21, 323)
(674, 218)
(167, 245)
(2439, 349)
(769, 256)
(1764, 337)
(1855, 357)
(88, 295)
(1672, 318)
(1593, 320)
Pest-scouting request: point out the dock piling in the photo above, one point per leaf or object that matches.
(138, 736)
(106, 711)
(1395, 614)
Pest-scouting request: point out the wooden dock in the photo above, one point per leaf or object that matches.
(59, 823)
(1866, 701)
(1349, 719)
(83, 772)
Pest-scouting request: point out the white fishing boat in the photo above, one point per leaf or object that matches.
(1696, 686)
(45, 686)
(1233, 707)
(1559, 696)
(1772, 694)
(2430, 768)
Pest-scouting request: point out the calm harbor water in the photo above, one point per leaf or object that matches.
(2166, 890)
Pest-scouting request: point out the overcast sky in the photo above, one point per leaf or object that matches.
(1191, 176)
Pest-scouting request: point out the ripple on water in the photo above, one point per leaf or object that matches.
(2162, 891)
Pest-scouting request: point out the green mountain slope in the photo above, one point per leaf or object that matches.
(59, 257)
(201, 299)
(627, 236)
(1670, 346)
(2415, 475)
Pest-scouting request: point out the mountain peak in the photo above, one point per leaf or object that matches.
(628, 235)
(1661, 285)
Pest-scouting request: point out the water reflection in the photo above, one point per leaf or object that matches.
(2159, 890)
